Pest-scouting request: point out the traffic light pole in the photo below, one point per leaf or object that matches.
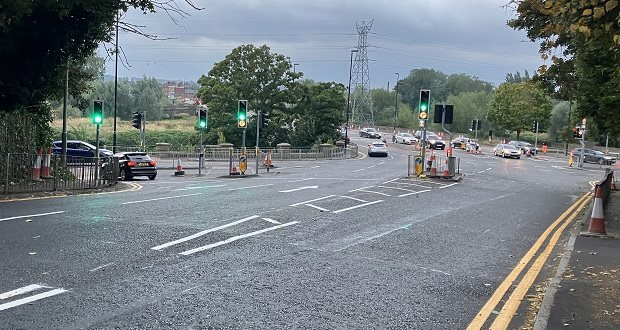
(476, 130)
(97, 154)
(583, 143)
(536, 139)
(423, 151)
(257, 137)
(143, 132)
(201, 156)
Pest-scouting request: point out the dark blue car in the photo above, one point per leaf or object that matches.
(77, 148)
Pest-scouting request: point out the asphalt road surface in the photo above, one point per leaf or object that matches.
(314, 244)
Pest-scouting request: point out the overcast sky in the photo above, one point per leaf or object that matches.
(452, 36)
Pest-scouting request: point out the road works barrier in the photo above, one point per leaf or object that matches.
(22, 173)
(602, 190)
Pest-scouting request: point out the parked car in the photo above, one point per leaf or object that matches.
(77, 148)
(461, 142)
(524, 147)
(377, 149)
(370, 132)
(135, 163)
(344, 136)
(594, 156)
(405, 138)
(507, 150)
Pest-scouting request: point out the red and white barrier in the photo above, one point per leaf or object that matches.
(36, 167)
(46, 163)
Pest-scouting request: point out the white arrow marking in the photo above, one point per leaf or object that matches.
(298, 189)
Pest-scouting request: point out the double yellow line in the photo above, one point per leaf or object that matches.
(502, 321)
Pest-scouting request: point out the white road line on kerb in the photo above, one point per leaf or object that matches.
(32, 215)
(31, 298)
(355, 199)
(26, 289)
(312, 200)
(414, 193)
(448, 185)
(201, 187)
(271, 220)
(358, 206)
(158, 199)
(236, 238)
(260, 185)
(204, 232)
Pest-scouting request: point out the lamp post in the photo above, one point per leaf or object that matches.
(396, 100)
(346, 131)
(294, 65)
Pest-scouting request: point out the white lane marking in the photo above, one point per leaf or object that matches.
(298, 166)
(397, 188)
(236, 238)
(101, 267)
(32, 215)
(413, 193)
(26, 289)
(298, 189)
(31, 298)
(250, 187)
(158, 199)
(357, 206)
(317, 166)
(201, 187)
(448, 185)
(375, 192)
(317, 207)
(437, 183)
(480, 172)
(361, 169)
(355, 199)
(371, 166)
(300, 180)
(360, 188)
(386, 182)
(412, 184)
(312, 200)
(272, 221)
(391, 157)
(201, 233)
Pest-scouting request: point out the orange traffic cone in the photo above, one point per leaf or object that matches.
(179, 170)
(597, 219)
(234, 171)
(433, 166)
(446, 173)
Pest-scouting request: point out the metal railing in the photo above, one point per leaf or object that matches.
(169, 159)
(39, 173)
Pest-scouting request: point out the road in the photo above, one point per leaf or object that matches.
(316, 244)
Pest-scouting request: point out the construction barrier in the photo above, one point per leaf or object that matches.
(46, 163)
(36, 166)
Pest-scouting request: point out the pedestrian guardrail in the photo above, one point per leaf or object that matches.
(45, 172)
(169, 159)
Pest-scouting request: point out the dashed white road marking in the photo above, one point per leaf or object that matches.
(375, 192)
(317, 207)
(412, 184)
(201, 187)
(448, 185)
(361, 169)
(317, 166)
(30, 299)
(300, 180)
(298, 189)
(204, 232)
(236, 238)
(312, 200)
(32, 215)
(26, 289)
(101, 267)
(158, 199)
(414, 193)
(250, 187)
(357, 206)
(387, 187)
(272, 221)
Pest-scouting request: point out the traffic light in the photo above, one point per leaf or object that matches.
(425, 101)
(242, 114)
(473, 125)
(264, 119)
(136, 120)
(98, 112)
(479, 124)
(202, 118)
(535, 126)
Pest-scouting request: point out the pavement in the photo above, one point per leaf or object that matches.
(588, 295)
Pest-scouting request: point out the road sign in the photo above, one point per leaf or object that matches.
(418, 165)
(243, 163)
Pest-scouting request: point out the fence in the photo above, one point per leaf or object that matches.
(169, 159)
(37, 173)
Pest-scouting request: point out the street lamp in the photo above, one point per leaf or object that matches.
(294, 65)
(396, 100)
(346, 131)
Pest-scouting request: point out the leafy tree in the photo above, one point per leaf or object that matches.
(517, 78)
(560, 126)
(462, 83)
(469, 106)
(589, 35)
(383, 106)
(406, 118)
(517, 106)
(104, 90)
(148, 96)
(320, 113)
(264, 79)
(409, 87)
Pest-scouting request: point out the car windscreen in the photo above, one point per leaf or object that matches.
(378, 145)
(432, 137)
(370, 130)
(509, 146)
(407, 135)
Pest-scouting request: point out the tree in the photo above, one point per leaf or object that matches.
(383, 106)
(264, 79)
(517, 106)
(409, 87)
(147, 95)
(469, 106)
(320, 114)
(517, 78)
(588, 34)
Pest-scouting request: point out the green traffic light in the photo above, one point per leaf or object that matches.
(202, 124)
(423, 107)
(97, 119)
(241, 116)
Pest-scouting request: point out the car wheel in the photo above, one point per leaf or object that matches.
(152, 177)
(125, 175)
(518, 157)
(601, 161)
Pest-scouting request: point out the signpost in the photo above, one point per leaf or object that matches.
(243, 163)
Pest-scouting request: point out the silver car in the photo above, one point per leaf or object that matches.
(377, 149)
(507, 150)
(405, 138)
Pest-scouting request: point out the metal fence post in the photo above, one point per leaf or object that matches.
(55, 174)
(6, 175)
